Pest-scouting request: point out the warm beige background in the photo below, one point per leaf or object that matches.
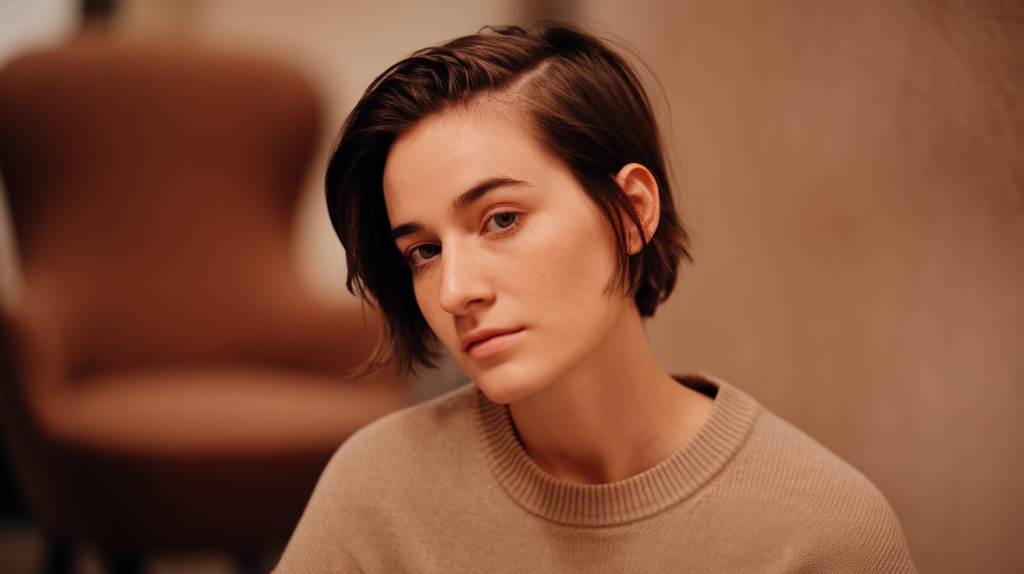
(854, 173)
(855, 176)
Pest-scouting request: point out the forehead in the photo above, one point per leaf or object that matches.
(452, 133)
(450, 152)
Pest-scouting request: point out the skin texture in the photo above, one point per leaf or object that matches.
(504, 244)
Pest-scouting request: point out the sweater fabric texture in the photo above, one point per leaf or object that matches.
(446, 486)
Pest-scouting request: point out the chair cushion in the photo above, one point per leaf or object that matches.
(200, 412)
(192, 459)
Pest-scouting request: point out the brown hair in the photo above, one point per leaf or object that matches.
(584, 103)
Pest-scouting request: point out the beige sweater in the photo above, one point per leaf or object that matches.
(447, 487)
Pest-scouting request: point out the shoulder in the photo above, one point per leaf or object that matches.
(382, 475)
(800, 490)
(417, 422)
(419, 435)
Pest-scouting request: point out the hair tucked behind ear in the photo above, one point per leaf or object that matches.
(584, 103)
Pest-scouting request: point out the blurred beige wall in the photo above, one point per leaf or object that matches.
(854, 174)
(25, 26)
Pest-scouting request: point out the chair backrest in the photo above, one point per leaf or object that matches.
(152, 190)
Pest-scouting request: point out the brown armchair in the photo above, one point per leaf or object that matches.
(167, 382)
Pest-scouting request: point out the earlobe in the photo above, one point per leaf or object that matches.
(641, 188)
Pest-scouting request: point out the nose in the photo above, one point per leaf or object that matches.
(464, 283)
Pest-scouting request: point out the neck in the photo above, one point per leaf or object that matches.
(612, 417)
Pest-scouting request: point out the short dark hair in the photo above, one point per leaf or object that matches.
(584, 103)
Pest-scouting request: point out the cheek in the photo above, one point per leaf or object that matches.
(579, 263)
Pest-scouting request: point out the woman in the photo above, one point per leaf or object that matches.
(505, 193)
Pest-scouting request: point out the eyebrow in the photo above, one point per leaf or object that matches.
(460, 203)
(466, 199)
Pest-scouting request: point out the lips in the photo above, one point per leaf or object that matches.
(485, 335)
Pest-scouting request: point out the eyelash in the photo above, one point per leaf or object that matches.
(411, 255)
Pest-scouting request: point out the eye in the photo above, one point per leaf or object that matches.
(423, 253)
(502, 220)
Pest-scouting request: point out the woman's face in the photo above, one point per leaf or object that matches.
(510, 258)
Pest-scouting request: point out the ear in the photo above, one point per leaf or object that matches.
(641, 188)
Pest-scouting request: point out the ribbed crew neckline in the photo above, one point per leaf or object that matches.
(673, 480)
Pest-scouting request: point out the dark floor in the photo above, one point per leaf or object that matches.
(21, 552)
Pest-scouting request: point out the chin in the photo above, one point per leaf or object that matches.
(505, 384)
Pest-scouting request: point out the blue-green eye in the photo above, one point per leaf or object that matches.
(421, 254)
(504, 220)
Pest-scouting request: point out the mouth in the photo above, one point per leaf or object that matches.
(480, 338)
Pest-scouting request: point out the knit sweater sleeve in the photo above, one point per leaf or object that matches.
(337, 514)
(379, 489)
(825, 514)
(861, 534)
